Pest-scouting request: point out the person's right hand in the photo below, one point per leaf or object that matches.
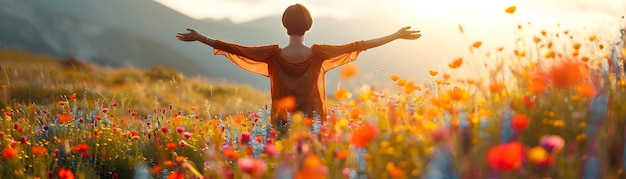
(193, 35)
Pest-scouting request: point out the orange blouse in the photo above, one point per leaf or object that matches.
(303, 80)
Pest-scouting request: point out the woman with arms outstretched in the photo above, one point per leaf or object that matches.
(296, 71)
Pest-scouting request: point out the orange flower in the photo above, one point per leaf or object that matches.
(39, 150)
(180, 159)
(342, 155)
(239, 119)
(312, 162)
(308, 122)
(156, 169)
(433, 73)
(231, 154)
(510, 9)
(457, 94)
(396, 172)
(567, 74)
(410, 88)
(348, 71)
(65, 117)
(364, 135)
(355, 113)
(178, 119)
(342, 93)
(446, 76)
(62, 103)
(401, 82)
(477, 44)
(496, 87)
(586, 90)
(536, 85)
(9, 153)
(456, 63)
(394, 77)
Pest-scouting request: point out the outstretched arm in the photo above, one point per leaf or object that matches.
(403, 33)
(194, 35)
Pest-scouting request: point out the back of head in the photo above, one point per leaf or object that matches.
(297, 19)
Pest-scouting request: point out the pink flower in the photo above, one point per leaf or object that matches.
(552, 142)
(164, 129)
(252, 166)
(187, 135)
(105, 110)
(440, 134)
(270, 149)
(180, 129)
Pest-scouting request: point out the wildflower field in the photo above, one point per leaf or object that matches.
(552, 107)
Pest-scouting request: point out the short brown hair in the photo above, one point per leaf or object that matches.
(297, 19)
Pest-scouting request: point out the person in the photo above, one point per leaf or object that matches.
(296, 71)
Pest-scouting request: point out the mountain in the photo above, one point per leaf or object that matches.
(40, 30)
(142, 33)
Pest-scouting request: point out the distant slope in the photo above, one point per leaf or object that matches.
(47, 32)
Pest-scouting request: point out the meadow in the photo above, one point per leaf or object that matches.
(552, 107)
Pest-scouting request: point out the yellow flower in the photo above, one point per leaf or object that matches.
(592, 37)
(537, 154)
(278, 145)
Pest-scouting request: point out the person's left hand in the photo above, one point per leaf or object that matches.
(406, 33)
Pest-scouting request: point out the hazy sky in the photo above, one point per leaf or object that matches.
(245, 10)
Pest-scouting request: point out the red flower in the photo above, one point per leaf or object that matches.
(9, 153)
(520, 122)
(528, 102)
(505, 157)
(568, 73)
(176, 175)
(66, 174)
(364, 135)
(80, 148)
(171, 145)
(244, 138)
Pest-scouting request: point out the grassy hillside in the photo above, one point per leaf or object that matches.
(28, 78)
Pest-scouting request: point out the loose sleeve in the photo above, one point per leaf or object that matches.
(337, 55)
(250, 58)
